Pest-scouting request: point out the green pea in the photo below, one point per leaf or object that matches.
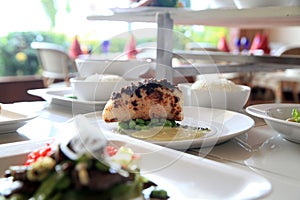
(132, 124)
(168, 123)
(140, 121)
(162, 120)
(174, 124)
(160, 194)
(154, 121)
(138, 127)
(124, 125)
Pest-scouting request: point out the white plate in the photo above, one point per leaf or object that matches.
(275, 116)
(223, 123)
(144, 9)
(10, 121)
(60, 96)
(182, 175)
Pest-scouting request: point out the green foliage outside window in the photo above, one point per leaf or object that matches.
(205, 34)
(16, 55)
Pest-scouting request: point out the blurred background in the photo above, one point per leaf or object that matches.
(64, 22)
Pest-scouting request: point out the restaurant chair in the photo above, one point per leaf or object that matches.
(55, 62)
(288, 85)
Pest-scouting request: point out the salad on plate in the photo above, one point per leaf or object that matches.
(79, 168)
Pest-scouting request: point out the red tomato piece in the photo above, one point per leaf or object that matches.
(29, 162)
(111, 150)
(42, 152)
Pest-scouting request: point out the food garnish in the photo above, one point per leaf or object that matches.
(71, 96)
(160, 130)
(295, 116)
(140, 124)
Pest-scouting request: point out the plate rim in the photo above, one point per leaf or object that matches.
(45, 93)
(10, 126)
(216, 138)
(21, 119)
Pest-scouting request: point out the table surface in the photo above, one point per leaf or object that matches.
(261, 150)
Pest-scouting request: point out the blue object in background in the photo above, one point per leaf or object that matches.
(245, 43)
(242, 44)
(105, 46)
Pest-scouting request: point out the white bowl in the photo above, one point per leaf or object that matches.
(96, 90)
(222, 4)
(264, 3)
(128, 69)
(276, 115)
(277, 119)
(292, 72)
(233, 100)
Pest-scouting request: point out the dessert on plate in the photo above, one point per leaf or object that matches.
(145, 100)
(150, 110)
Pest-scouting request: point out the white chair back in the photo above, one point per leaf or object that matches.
(55, 62)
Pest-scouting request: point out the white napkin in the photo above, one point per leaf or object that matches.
(89, 139)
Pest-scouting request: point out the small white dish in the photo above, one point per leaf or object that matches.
(292, 72)
(221, 4)
(99, 89)
(10, 121)
(233, 100)
(64, 96)
(276, 115)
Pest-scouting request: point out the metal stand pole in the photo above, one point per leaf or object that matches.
(164, 52)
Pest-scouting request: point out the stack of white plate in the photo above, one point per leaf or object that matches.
(265, 3)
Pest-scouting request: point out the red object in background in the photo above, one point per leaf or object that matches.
(130, 48)
(260, 42)
(222, 44)
(75, 49)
